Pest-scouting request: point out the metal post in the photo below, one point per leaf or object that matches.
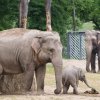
(80, 46)
(68, 45)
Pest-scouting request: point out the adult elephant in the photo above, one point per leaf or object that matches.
(92, 42)
(22, 50)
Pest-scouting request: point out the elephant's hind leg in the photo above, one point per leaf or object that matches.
(65, 88)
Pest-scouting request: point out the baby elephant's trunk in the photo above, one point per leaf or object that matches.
(93, 90)
(85, 81)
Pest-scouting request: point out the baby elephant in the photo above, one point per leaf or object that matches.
(71, 76)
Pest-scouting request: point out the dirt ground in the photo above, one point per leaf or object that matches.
(94, 80)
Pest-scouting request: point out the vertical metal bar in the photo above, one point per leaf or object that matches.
(84, 51)
(80, 45)
(68, 45)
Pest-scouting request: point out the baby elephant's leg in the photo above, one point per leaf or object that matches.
(65, 88)
(75, 91)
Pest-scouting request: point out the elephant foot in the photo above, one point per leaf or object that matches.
(87, 69)
(93, 71)
(75, 93)
(40, 92)
(64, 92)
(56, 91)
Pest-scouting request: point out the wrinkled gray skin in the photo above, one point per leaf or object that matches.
(71, 76)
(31, 50)
(92, 42)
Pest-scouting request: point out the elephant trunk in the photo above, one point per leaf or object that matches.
(88, 47)
(85, 81)
(57, 63)
(88, 54)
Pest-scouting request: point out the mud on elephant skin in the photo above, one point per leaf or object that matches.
(92, 44)
(71, 76)
(23, 49)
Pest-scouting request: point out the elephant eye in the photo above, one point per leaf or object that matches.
(51, 49)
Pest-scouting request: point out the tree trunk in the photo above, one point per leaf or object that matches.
(23, 11)
(48, 15)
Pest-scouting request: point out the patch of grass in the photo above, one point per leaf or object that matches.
(49, 68)
(94, 80)
(87, 26)
(50, 75)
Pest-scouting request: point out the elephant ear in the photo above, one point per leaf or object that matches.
(79, 72)
(36, 44)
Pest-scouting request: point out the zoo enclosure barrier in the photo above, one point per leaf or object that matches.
(76, 45)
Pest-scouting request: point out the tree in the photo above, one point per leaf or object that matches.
(48, 14)
(89, 10)
(95, 14)
(23, 9)
(74, 15)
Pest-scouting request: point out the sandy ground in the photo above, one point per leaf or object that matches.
(49, 89)
(48, 97)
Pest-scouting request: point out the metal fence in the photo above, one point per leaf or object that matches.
(76, 45)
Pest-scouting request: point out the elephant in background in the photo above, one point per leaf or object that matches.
(28, 51)
(92, 43)
(71, 76)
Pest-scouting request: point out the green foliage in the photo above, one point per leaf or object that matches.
(95, 14)
(61, 15)
(84, 8)
(87, 26)
(36, 16)
(8, 13)
(89, 10)
(61, 12)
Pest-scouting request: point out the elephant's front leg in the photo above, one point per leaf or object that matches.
(74, 85)
(28, 76)
(98, 63)
(40, 75)
(89, 48)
